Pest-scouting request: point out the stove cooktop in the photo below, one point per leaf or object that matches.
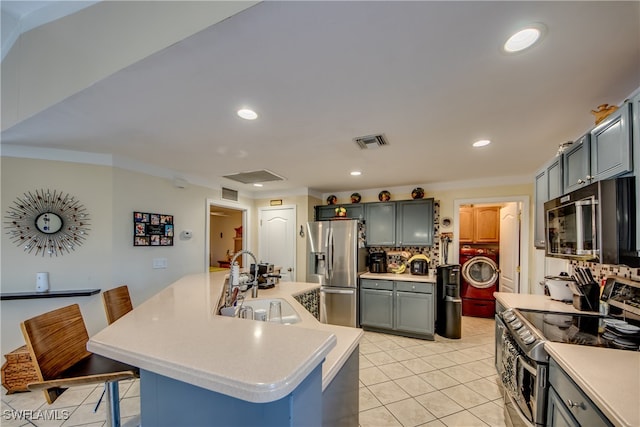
(584, 329)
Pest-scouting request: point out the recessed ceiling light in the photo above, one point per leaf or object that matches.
(356, 173)
(523, 39)
(257, 185)
(481, 143)
(247, 114)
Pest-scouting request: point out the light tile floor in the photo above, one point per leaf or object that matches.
(446, 382)
(403, 382)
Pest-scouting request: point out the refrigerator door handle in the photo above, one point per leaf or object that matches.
(330, 255)
(338, 291)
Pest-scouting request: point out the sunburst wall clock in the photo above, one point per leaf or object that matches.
(46, 222)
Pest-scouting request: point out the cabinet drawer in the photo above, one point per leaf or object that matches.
(423, 288)
(580, 406)
(376, 284)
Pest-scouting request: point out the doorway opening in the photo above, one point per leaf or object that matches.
(512, 248)
(227, 231)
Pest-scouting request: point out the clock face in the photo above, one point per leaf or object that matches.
(48, 223)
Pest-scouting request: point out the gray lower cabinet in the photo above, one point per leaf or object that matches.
(414, 312)
(376, 303)
(558, 414)
(404, 308)
(567, 404)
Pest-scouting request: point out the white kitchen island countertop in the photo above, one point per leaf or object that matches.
(609, 377)
(177, 333)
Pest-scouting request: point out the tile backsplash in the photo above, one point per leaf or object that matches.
(601, 271)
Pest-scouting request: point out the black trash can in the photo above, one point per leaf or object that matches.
(448, 301)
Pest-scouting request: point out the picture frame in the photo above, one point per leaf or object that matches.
(152, 229)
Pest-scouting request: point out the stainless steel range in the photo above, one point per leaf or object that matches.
(522, 362)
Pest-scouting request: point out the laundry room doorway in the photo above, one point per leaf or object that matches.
(470, 240)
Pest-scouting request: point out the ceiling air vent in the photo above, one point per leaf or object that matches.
(229, 194)
(254, 177)
(371, 141)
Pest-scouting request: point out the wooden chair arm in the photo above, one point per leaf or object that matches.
(88, 379)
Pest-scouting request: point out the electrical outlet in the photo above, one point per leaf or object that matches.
(159, 263)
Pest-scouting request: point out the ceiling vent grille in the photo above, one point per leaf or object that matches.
(371, 141)
(229, 194)
(254, 177)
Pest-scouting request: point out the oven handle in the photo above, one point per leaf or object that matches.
(527, 365)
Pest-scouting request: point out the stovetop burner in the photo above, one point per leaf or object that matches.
(584, 329)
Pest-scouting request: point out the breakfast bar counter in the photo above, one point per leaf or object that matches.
(178, 340)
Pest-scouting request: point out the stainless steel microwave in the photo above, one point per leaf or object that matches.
(594, 223)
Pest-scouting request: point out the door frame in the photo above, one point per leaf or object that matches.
(524, 205)
(246, 232)
(294, 276)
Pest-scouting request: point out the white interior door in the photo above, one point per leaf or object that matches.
(509, 248)
(277, 244)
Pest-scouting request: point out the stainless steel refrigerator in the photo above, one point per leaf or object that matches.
(337, 255)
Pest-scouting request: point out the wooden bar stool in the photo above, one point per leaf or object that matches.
(117, 303)
(57, 342)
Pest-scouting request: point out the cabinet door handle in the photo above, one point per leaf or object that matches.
(589, 177)
(413, 287)
(580, 181)
(572, 404)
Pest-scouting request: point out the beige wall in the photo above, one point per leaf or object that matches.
(89, 266)
(108, 257)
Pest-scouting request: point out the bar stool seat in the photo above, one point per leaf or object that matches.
(57, 341)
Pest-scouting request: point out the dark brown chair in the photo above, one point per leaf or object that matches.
(57, 342)
(117, 303)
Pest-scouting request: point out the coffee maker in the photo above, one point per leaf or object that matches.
(378, 262)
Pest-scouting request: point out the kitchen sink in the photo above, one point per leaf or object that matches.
(289, 314)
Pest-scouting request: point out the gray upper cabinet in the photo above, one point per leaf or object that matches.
(414, 225)
(548, 185)
(611, 145)
(577, 165)
(328, 212)
(635, 109)
(380, 221)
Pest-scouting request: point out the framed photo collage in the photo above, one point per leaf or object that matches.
(152, 229)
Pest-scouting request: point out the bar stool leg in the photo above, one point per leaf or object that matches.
(113, 404)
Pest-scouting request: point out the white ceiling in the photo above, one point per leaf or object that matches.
(429, 75)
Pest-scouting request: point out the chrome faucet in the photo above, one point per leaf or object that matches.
(234, 276)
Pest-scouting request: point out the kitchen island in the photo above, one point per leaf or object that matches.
(197, 366)
(610, 378)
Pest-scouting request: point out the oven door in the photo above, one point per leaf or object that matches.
(522, 380)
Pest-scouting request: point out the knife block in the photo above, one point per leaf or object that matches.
(590, 300)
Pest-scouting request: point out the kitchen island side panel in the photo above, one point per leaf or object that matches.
(341, 399)
(166, 402)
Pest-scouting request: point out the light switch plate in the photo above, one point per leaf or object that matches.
(159, 263)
